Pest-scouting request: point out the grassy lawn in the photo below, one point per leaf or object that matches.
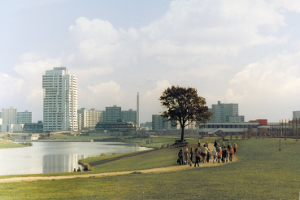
(262, 172)
(8, 144)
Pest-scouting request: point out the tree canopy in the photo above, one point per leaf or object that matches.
(184, 107)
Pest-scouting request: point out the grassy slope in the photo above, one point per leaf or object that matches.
(262, 172)
(8, 144)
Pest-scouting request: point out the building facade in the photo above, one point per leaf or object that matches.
(87, 119)
(225, 112)
(60, 100)
(296, 114)
(9, 119)
(129, 116)
(112, 114)
(24, 117)
(33, 127)
(115, 113)
(160, 123)
(227, 128)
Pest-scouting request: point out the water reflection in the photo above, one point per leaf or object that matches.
(52, 157)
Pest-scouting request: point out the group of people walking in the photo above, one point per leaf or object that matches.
(203, 154)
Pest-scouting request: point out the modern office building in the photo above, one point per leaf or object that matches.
(87, 119)
(225, 112)
(296, 114)
(117, 126)
(146, 126)
(24, 117)
(9, 119)
(60, 100)
(112, 114)
(13, 121)
(160, 123)
(115, 113)
(33, 127)
(129, 116)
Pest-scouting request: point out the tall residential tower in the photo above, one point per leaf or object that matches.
(60, 100)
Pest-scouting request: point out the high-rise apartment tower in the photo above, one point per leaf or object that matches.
(60, 100)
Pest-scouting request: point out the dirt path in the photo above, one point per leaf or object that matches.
(153, 170)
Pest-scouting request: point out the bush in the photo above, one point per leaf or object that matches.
(86, 167)
(102, 154)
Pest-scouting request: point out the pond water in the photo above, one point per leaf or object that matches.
(51, 157)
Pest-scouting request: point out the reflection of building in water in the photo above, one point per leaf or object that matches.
(60, 163)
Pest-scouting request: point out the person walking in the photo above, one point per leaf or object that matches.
(199, 143)
(197, 155)
(186, 156)
(208, 155)
(228, 145)
(204, 152)
(191, 155)
(215, 144)
(235, 147)
(219, 154)
(227, 154)
(224, 152)
(214, 154)
(180, 156)
(231, 152)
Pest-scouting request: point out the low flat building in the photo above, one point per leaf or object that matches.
(227, 128)
(118, 126)
(33, 127)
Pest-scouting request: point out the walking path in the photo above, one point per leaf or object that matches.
(77, 175)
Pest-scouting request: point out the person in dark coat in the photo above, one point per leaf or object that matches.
(215, 144)
(208, 155)
(224, 153)
(191, 154)
(180, 157)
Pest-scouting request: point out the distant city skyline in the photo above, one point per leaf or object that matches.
(244, 52)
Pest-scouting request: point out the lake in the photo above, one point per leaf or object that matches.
(51, 157)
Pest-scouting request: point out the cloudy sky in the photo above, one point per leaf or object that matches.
(245, 52)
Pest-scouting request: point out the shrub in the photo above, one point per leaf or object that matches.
(102, 154)
(86, 167)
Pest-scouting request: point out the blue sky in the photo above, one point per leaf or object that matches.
(244, 52)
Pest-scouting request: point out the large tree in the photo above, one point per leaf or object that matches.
(184, 106)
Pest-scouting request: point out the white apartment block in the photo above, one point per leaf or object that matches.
(88, 118)
(60, 100)
(9, 118)
(225, 112)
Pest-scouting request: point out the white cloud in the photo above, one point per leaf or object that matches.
(9, 87)
(195, 43)
(270, 86)
(102, 95)
(149, 102)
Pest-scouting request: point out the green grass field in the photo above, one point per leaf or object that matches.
(8, 144)
(262, 172)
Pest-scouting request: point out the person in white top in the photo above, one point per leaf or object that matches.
(204, 152)
(214, 153)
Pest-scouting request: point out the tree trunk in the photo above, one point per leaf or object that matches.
(182, 133)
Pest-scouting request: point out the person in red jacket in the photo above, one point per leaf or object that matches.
(235, 147)
(231, 152)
